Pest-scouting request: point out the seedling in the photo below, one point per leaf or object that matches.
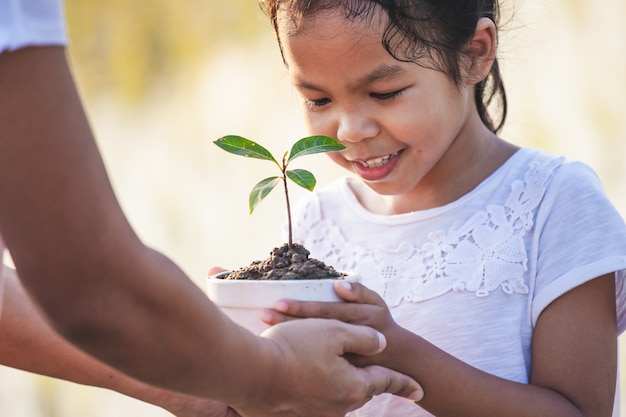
(306, 146)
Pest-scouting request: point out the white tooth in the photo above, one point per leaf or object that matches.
(378, 162)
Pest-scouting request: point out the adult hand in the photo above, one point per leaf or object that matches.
(182, 405)
(313, 378)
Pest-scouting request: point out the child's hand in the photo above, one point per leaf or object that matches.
(363, 306)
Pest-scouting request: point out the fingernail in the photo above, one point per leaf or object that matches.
(382, 342)
(266, 317)
(416, 396)
(346, 285)
(281, 306)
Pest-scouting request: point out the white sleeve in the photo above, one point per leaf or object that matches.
(582, 237)
(31, 23)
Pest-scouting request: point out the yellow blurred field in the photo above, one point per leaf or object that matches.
(161, 83)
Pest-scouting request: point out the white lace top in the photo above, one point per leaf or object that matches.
(473, 276)
(31, 23)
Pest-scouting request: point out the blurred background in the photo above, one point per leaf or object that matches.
(162, 80)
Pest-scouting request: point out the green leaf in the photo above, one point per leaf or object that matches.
(303, 178)
(314, 144)
(261, 190)
(241, 146)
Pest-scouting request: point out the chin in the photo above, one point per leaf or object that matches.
(385, 189)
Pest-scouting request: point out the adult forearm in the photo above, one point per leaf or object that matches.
(28, 343)
(130, 306)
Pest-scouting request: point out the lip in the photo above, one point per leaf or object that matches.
(377, 168)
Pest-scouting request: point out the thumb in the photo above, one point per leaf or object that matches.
(383, 380)
(365, 340)
(362, 340)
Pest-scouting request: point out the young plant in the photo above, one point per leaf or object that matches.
(306, 146)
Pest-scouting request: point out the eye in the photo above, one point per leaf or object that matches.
(317, 103)
(387, 96)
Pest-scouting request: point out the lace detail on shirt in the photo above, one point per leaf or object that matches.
(486, 253)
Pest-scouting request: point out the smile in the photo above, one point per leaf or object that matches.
(377, 162)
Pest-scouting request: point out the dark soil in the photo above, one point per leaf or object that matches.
(286, 263)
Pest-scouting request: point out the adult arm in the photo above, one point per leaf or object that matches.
(127, 305)
(28, 343)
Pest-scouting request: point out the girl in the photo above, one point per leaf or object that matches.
(495, 270)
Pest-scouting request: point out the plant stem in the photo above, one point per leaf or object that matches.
(284, 177)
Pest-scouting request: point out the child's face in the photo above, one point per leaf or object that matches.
(398, 120)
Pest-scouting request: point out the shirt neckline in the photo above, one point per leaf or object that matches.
(352, 201)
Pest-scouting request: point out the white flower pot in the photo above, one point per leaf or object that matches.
(244, 300)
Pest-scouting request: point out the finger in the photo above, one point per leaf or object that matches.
(272, 317)
(361, 340)
(323, 310)
(232, 413)
(344, 289)
(215, 270)
(383, 380)
(357, 293)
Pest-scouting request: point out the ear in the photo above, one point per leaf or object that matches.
(481, 51)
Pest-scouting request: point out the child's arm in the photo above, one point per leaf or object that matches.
(28, 343)
(574, 353)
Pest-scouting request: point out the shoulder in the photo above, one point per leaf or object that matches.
(579, 233)
(31, 23)
(577, 173)
(576, 184)
(557, 165)
(555, 174)
(566, 190)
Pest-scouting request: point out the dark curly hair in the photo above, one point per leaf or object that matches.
(438, 30)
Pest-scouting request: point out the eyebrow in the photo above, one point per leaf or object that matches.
(384, 72)
(381, 73)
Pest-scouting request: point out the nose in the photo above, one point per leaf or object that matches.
(355, 127)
